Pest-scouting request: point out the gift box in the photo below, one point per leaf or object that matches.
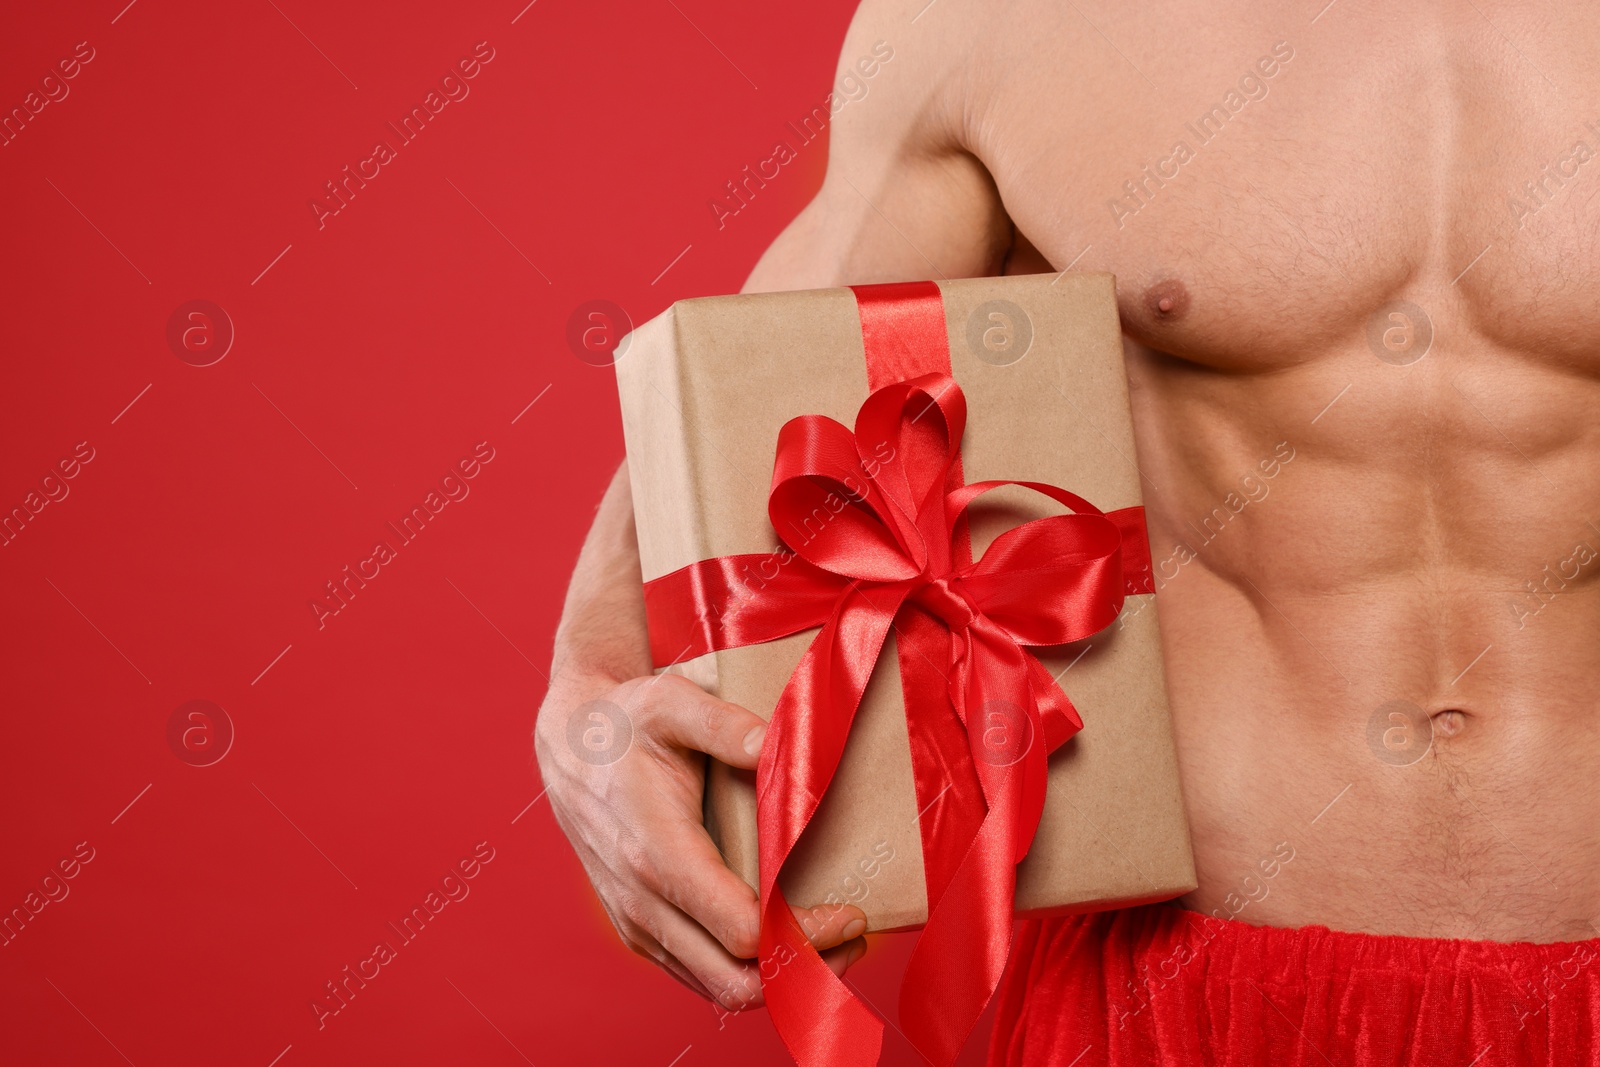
(708, 389)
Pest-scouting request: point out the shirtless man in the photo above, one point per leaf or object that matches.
(1364, 237)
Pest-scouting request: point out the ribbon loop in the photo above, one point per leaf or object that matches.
(911, 431)
(829, 512)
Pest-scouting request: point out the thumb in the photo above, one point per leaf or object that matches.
(681, 713)
(828, 925)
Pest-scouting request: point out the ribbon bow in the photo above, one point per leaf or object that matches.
(876, 523)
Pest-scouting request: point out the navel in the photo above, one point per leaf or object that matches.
(1167, 300)
(1449, 722)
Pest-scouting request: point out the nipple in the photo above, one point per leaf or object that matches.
(1167, 300)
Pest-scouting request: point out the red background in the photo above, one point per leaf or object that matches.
(371, 354)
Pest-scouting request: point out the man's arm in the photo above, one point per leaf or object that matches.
(901, 200)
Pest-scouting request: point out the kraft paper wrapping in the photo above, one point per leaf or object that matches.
(705, 387)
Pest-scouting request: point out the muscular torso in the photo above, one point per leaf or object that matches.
(1346, 525)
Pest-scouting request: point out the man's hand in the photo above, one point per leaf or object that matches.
(621, 755)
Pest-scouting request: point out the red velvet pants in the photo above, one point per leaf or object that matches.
(1163, 987)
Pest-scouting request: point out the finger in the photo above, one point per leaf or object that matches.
(681, 713)
(845, 956)
(733, 983)
(694, 879)
(640, 941)
(628, 911)
(827, 925)
(688, 871)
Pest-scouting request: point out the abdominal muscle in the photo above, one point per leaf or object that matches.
(1380, 727)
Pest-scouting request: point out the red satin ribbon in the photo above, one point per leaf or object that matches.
(874, 523)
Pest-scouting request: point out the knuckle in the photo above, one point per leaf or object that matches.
(741, 944)
(635, 858)
(632, 908)
(669, 884)
(709, 717)
(644, 867)
(649, 705)
(740, 938)
(651, 877)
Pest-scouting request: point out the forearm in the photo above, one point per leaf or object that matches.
(602, 634)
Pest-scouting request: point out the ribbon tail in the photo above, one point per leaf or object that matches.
(818, 1017)
(821, 1021)
(1057, 714)
(949, 796)
(959, 958)
(961, 953)
(1136, 565)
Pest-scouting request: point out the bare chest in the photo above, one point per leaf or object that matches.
(1265, 191)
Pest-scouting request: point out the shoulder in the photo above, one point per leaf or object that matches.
(904, 196)
(909, 61)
